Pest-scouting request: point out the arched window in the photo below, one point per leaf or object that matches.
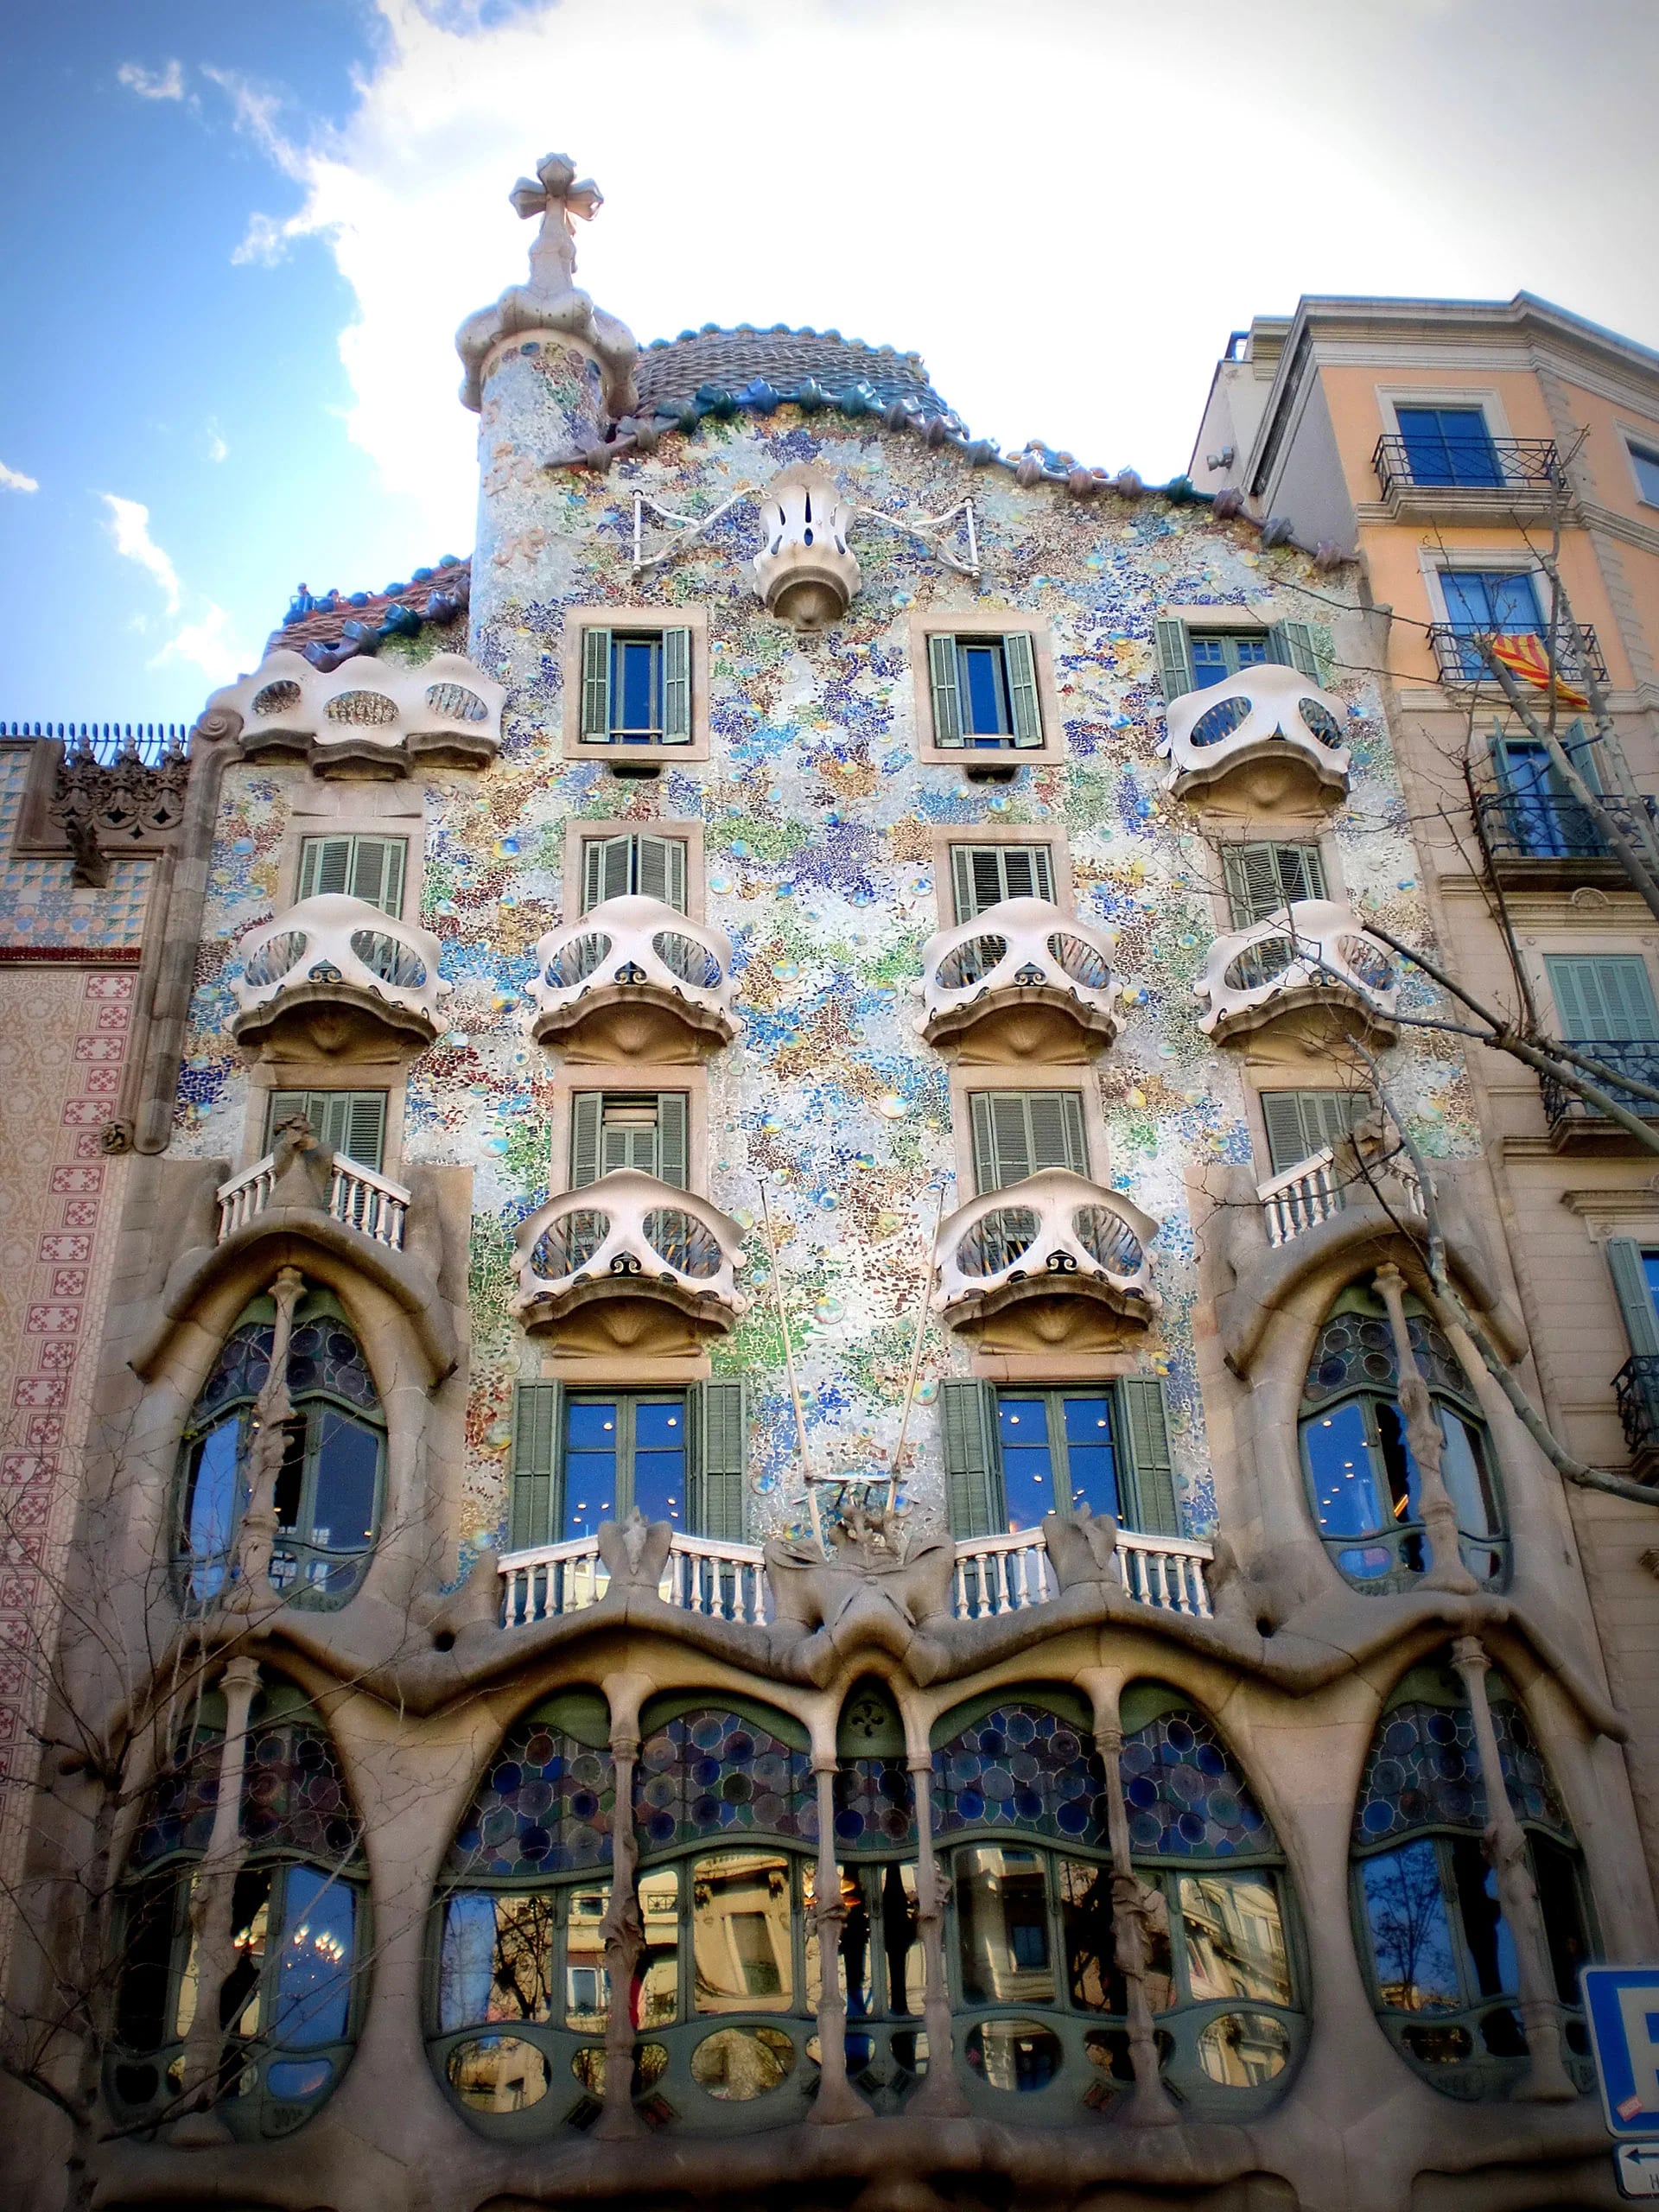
(1439, 1951)
(329, 1491)
(1361, 1475)
(1020, 1814)
(291, 2007)
(880, 1968)
(722, 1997)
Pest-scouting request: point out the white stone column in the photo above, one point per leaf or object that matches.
(622, 1926)
(1134, 1909)
(272, 1409)
(212, 1902)
(836, 2099)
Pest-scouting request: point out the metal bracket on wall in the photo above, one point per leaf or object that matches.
(932, 531)
(689, 527)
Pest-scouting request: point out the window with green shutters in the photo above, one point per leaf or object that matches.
(984, 875)
(369, 869)
(1013, 1455)
(1302, 1123)
(646, 1130)
(636, 687)
(1261, 879)
(633, 864)
(984, 691)
(352, 1122)
(1019, 1133)
(1192, 659)
(581, 1457)
(1635, 1270)
(1604, 998)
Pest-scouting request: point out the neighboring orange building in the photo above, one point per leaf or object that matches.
(1459, 450)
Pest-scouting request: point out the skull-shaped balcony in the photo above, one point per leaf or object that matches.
(1310, 966)
(628, 1265)
(333, 975)
(633, 980)
(1020, 981)
(1268, 737)
(366, 718)
(1054, 1261)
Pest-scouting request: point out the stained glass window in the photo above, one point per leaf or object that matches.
(543, 1807)
(713, 1773)
(1021, 1767)
(874, 1808)
(1185, 1798)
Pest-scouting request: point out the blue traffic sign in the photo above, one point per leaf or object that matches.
(1622, 2007)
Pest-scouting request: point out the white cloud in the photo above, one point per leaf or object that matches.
(205, 645)
(13, 479)
(129, 528)
(153, 85)
(216, 448)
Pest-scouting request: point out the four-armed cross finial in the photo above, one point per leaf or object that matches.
(557, 197)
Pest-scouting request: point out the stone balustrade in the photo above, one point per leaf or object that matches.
(1023, 974)
(1254, 726)
(335, 963)
(1312, 955)
(632, 979)
(630, 1237)
(1316, 1188)
(371, 718)
(358, 1196)
(1055, 1235)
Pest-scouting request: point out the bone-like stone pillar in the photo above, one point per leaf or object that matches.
(622, 1927)
(1149, 2104)
(271, 1409)
(1547, 2080)
(212, 1909)
(1447, 1569)
(837, 2099)
(940, 2092)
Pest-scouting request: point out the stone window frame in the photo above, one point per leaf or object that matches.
(366, 810)
(1080, 1075)
(390, 1076)
(581, 829)
(944, 835)
(570, 1076)
(641, 615)
(979, 622)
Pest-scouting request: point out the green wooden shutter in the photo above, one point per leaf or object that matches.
(533, 1514)
(946, 688)
(378, 873)
(325, 866)
(965, 868)
(1604, 999)
(972, 1490)
(1054, 1119)
(283, 1105)
(662, 870)
(1148, 1496)
(1175, 658)
(365, 1127)
(1020, 659)
(1302, 872)
(331, 1117)
(1002, 1145)
(1027, 872)
(1292, 645)
(1254, 888)
(673, 1137)
(1634, 1299)
(595, 687)
(1287, 1145)
(586, 1118)
(717, 1477)
(677, 687)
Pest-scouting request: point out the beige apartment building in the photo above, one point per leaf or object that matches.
(1459, 451)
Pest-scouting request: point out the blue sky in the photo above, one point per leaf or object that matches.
(238, 239)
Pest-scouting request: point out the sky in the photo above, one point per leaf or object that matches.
(235, 241)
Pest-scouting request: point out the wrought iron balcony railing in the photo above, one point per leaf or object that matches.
(1638, 1057)
(1543, 826)
(1478, 464)
(1636, 1386)
(1458, 650)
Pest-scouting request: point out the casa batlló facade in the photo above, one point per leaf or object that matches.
(769, 1500)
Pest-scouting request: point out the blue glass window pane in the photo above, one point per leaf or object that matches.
(1252, 651)
(1646, 465)
(1449, 445)
(1411, 1938)
(1490, 600)
(1091, 1458)
(659, 1460)
(1027, 1474)
(984, 689)
(464, 1961)
(348, 1461)
(635, 672)
(590, 1434)
(1544, 821)
(215, 1500)
(313, 1965)
(1344, 1480)
(1209, 663)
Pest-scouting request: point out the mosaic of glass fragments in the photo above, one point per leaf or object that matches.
(1022, 1767)
(712, 1774)
(1185, 1797)
(240, 1371)
(294, 1798)
(543, 1807)
(1423, 1770)
(1355, 1351)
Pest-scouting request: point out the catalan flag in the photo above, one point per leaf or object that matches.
(1523, 652)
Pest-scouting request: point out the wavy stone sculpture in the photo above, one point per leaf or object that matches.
(1263, 734)
(1022, 981)
(805, 573)
(347, 976)
(366, 718)
(1313, 957)
(633, 980)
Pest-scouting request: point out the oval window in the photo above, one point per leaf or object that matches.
(1019, 2055)
(683, 957)
(1220, 720)
(390, 958)
(574, 963)
(997, 1240)
(1243, 2050)
(970, 963)
(1080, 961)
(274, 958)
(497, 2074)
(365, 707)
(1320, 721)
(279, 698)
(736, 2064)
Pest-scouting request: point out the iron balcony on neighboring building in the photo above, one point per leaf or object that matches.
(1458, 651)
(1637, 1388)
(1576, 1123)
(1476, 474)
(1543, 837)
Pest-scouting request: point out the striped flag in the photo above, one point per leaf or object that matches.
(1523, 654)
